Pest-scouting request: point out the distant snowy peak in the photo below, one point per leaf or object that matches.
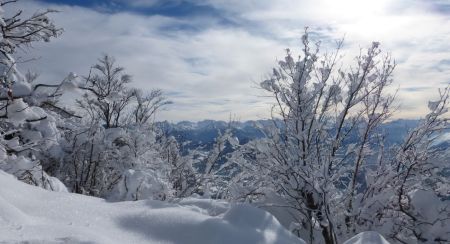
(204, 124)
(403, 124)
(213, 124)
(204, 132)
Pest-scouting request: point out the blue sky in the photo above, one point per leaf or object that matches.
(170, 8)
(209, 55)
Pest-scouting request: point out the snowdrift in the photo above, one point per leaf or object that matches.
(30, 214)
(368, 237)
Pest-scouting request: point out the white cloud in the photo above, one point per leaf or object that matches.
(212, 68)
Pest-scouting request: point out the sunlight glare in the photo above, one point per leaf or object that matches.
(354, 10)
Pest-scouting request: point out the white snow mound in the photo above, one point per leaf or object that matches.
(33, 215)
(368, 237)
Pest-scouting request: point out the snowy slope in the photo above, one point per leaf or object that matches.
(368, 237)
(32, 215)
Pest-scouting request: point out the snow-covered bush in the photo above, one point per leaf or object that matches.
(182, 177)
(200, 172)
(324, 170)
(113, 150)
(139, 184)
(97, 159)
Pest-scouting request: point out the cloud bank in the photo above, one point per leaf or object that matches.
(208, 55)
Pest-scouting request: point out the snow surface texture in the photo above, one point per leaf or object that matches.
(369, 237)
(33, 215)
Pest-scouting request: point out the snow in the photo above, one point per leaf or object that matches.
(433, 105)
(368, 237)
(138, 184)
(30, 214)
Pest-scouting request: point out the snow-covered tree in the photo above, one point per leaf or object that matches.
(27, 127)
(201, 172)
(147, 104)
(215, 169)
(324, 170)
(412, 182)
(108, 96)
